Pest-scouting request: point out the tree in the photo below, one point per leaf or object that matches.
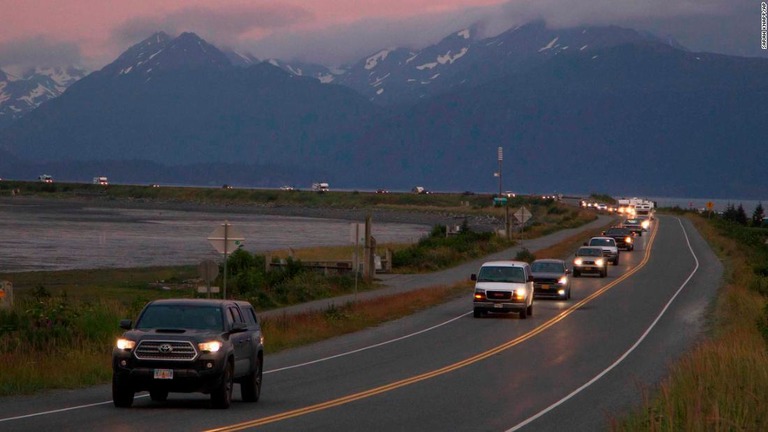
(730, 213)
(741, 215)
(758, 215)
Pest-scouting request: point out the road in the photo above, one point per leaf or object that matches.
(573, 365)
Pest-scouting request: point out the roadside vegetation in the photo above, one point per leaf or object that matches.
(67, 320)
(722, 384)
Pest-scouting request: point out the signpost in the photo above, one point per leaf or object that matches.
(522, 215)
(226, 239)
(208, 271)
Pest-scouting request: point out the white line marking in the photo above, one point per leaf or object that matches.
(368, 347)
(60, 410)
(626, 354)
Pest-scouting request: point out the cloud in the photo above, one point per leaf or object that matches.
(340, 44)
(219, 25)
(38, 51)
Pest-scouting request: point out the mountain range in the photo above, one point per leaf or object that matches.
(577, 110)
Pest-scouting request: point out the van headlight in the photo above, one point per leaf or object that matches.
(520, 293)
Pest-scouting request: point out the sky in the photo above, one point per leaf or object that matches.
(92, 33)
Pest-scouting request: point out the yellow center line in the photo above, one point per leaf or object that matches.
(452, 367)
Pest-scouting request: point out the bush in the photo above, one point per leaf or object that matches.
(525, 255)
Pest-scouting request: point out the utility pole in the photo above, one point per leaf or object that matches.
(506, 199)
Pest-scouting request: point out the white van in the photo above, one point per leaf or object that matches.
(503, 286)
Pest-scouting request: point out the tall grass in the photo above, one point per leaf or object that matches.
(722, 385)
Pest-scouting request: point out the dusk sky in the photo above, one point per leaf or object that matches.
(92, 33)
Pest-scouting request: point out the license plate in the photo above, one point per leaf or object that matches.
(545, 286)
(498, 306)
(163, 373)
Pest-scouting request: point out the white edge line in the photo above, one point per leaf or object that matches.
(623, 356)
(59, 410)
(368, 347)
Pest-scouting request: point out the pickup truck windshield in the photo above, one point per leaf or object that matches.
(181, 317)
(501, 274)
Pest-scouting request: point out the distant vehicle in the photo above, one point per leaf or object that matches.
(189, 345)
(101, 180)
(608, 244)
(154, 185)
(321, 187)
(382, 191)
(634, 225)
(419, 190)
(589, 259)
(45, 178)
(550, 279)
(623, 236)
(287, 188)
(226, 186)
(503, 286)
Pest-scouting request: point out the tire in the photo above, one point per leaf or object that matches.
(477, 313)
(524, 313)
(250, 387)
(569, 294)
(616, 261)
(604, 273)
(529, 310)
(576, 273)
(158, 395)
(122, 394)
(221, 396)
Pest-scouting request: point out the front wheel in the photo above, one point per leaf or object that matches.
(524, 313)
(604, 273)
(122, 394)
(529, 310)
(250, 388)
(616, 261)
(477, 313)
(576, 273)
(221, 396)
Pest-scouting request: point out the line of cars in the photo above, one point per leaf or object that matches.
(510, 286)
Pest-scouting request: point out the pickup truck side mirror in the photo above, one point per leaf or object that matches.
(530, 278)
(567, 271)
(125, 324)
(585, 244)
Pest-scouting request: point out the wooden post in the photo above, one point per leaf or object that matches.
(368, 268)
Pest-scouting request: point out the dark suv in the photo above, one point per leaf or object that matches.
(189, 345)
(623, 236)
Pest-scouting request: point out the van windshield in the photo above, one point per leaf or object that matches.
(501, 274)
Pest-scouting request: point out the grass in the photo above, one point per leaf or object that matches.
(722, 384)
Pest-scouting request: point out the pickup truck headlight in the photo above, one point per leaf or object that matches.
(628, 240)
(563, 280)
(213, 346)
(646, 224)
(125, 344)
(599, 262)
(578, 261)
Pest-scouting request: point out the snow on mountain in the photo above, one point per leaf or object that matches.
(162, 53)
(22, 93)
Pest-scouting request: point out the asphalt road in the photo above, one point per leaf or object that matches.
(573, 365)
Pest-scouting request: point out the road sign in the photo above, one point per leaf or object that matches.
(226, 238)
(208, 270)
(522, 214)
(710, 205)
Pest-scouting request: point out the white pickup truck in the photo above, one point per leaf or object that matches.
(608, 244)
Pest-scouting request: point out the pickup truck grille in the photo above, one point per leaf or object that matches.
(165, 350)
